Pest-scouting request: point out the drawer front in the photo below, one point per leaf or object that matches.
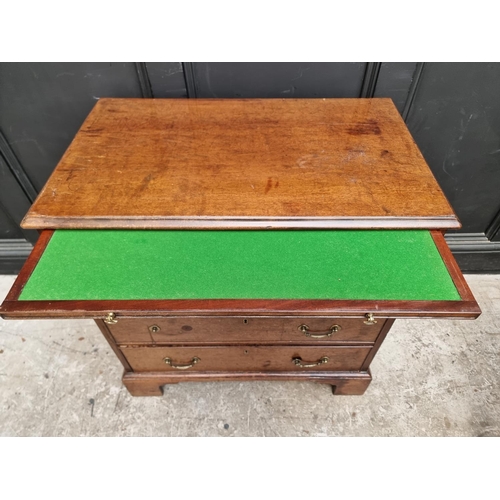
(242, 329)
(246, 358)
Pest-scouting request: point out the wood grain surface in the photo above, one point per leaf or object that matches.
(242, 330)
(242, 163)
(245, 358)
(150, 383)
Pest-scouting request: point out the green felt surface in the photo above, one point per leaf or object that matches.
(135, 264)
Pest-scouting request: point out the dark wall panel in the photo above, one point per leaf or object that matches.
(14, 204)
(478, 262)
(278, 79)
(455, 120)
(394, 81)
(42, 106)
(8, 228)
(452, 109)
(167, 79)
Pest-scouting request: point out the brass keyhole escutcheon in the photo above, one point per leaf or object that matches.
(154, 328)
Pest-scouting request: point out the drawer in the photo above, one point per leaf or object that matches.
(244, 330)
(246, 358)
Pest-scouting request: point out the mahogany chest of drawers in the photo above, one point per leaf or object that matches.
(242, 239)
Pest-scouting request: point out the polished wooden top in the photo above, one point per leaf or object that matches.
(242, 163)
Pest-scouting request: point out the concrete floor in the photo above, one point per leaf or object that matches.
(431, 378)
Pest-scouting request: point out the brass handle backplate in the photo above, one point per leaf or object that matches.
(154, 328)
(299, 362)
(110, 319)
(169, 362)
(316, 334)
(370, 320)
